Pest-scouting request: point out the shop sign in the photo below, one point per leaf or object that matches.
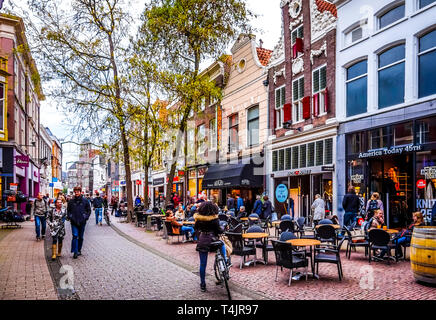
(192, 174)
(392, 150)
(425, 206)
(138, 182)
(328, 168)
(357, 178)
(218, 183)
(420, 184)
(300, 172)
(245, 182)
(429, 172)
(158, 181)
(13, 187)
(282, 193)
(22, 161)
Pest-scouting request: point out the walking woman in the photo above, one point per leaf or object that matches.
(56, 222)
(208, 228)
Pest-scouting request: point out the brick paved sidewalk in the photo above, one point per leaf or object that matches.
(24, 274)
(390, 282)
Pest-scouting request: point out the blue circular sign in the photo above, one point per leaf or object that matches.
(281, 193)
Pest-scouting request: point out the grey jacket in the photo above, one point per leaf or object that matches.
(40, 208)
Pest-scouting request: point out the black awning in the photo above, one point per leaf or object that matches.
(219, 176)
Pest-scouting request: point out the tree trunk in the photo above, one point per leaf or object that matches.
(126, 155)
(146, 188)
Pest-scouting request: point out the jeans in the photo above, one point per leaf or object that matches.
(98, 215)
(398, 243)
(186, 231)
(76, 243)
(40, 222)
(203, 263)
(57, 240)
(349, 218)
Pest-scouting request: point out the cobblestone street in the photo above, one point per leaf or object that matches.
(112, 267)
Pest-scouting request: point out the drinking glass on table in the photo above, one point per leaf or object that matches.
(385, 228)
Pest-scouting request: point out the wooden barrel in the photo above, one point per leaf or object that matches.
(423, 254)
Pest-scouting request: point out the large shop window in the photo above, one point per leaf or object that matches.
(403, 134)
(391, 76)
(426, 130)
(253, 126)
(356, 175)
(424, 3)
(233, 133)
(280, 102)
(213, 134)
(427, 65)
(425, 182)
(357, 88)
(380, 138)
(391, 16)
(297, 99)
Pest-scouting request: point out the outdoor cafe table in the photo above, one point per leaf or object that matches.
(307, 243)
(335, 226)
(188, 222)
(254, 236)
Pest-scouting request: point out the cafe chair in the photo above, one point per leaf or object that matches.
(141, 219)
(265, 225)
(286, 217)
(326, 234)
(355, 241)
(301, 231)
(325, 221)
(329, 255)
(286, 225)
(381, 240)
(237, 229)
(170, 232)
(223, 217)
(239, 248)
(285, 258)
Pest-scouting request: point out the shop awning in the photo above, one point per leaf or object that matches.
(219, 176)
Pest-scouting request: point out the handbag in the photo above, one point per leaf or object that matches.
(228, 244)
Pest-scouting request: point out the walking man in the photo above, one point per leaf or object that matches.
(351, 205)
(78, 213)
(97, 202)
(39, 211)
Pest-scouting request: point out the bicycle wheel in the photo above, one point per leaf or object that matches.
(216, 270)
(227, 287)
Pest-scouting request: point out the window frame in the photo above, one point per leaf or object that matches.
(390, 7)
(248, 123)
(347, 81)
(296, 30)
(236, 125)
(279, 124)
(321, 92)
(213, 137)
(403, 43)
(297, 103)
(420, 54)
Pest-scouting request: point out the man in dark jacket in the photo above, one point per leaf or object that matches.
(78, 212)
(230, 202)
(266, 208)
(351, 205)
(97, 202)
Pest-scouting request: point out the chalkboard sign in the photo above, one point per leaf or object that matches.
(281, 193)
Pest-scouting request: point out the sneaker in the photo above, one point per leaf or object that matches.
(43, 237)
(75, 256)
(38, 238)
(100, 223)
(79, 253)
(203, 287)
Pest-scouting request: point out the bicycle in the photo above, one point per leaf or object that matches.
(222, 270)
(106, 217)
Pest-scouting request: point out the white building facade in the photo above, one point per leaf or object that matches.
(385, 95)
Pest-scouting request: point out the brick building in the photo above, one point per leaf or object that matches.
(302, 114)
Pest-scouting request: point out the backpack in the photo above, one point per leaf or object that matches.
(373, 205)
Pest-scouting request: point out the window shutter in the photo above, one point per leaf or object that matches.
(326, 100)
(287, 112)
(288, 163)
(294, 51)
(274, 161)
(275, 119)
(316, 104)
(306, 108)
(295, 90)
(316, 81)
(322, 78)
(299, 44)
(282, 95)
(301, 88)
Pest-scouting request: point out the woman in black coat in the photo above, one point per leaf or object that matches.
(208, 230)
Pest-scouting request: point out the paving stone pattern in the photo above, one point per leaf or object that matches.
(24, 274)
(112, 267)
(390, 282)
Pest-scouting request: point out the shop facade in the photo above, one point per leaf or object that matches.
(397, 160)
(306, 165)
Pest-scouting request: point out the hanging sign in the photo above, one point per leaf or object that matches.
(282, 193)
(22, 161)
(357, 178)
(420, 184)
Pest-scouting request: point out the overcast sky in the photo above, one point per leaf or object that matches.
(268, 25)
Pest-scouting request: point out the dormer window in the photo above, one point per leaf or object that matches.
(355, 33)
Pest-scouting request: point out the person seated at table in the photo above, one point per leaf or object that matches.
(335, 219)
(242, 213)
(286, 217)
(377, 220)
(179, 228)
(231, 212)
(180, 213)
(405, 235)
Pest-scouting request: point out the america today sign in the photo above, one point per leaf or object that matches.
(398, 150)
